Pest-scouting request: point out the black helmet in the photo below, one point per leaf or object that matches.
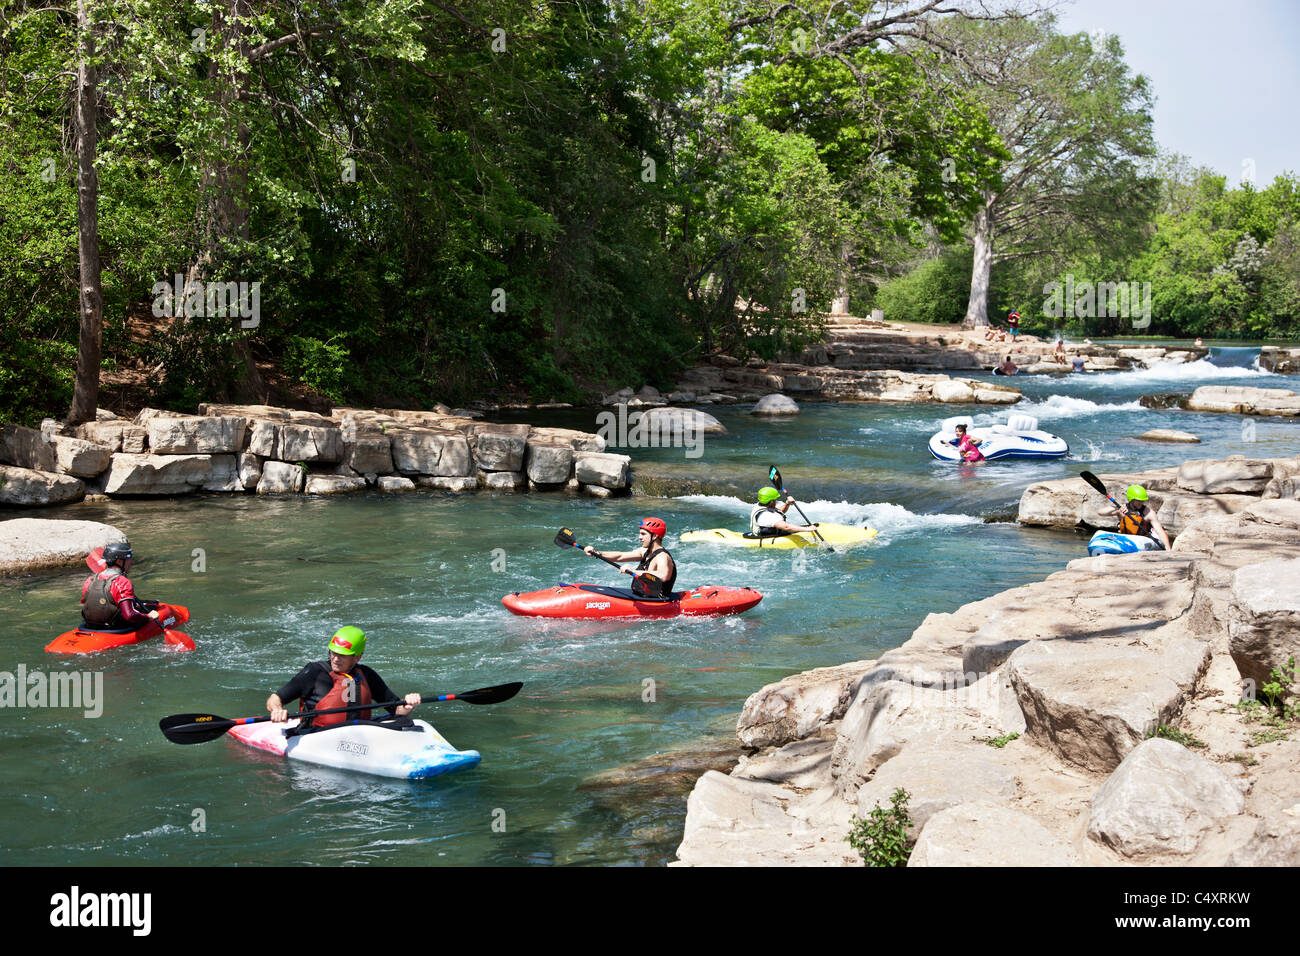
(118, 552)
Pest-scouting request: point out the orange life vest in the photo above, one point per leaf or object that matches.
(1130, 523)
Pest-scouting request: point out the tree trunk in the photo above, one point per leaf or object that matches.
(85, 396)
(840, 304)
(977, 309)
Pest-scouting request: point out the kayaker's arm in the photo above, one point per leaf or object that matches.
(614, 555)
(277, 710)
(1159, 532)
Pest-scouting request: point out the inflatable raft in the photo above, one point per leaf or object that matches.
(1018, 438)
(408, 749)
(598, 601)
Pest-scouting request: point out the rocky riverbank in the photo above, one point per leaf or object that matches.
(268, 450)
(1088, 719)
(727, 383)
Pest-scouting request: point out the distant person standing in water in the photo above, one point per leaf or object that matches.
(1013, 323)
(1077, 362)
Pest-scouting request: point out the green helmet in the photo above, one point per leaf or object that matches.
(348, 641)
(1136, 493)
(767, 495)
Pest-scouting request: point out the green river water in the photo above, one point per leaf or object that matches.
(423, 574)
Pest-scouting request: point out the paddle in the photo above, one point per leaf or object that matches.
(95, 560)
(774, 476)
(200, 728)
(1097, 483)
(564, 538)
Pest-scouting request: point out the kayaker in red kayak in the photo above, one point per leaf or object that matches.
(652, 557)
(108, 600)
(339, 682)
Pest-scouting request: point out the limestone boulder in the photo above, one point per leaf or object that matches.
(438, 452)
(458, 485)
(172, 435)
(1169, 436)
(1092, 701)
(395, 483)
(1244, 400)
(146, 475)
(981, 834)
(25, 488)
(26, 448)
(953, 391)
(369, 454)
(264, 439)
(1161, 800)
(503, 480)
(310, 444)
(81, 458)
(114, 435)
(27, 544)
(1276, 842)
(333, 485)
(1264, 618)
(548, 464)
(1175, 512)
(948, 774)
(1233, 475)
(775, 405)
(499, 447)
(574, 439)
(249, 469)
(280, 478)
(793, 708)
(677, 424)
(602, 470)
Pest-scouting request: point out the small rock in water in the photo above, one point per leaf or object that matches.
(1163, 401)
(776, 405)
(1169, 435)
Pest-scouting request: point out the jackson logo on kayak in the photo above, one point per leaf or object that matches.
(74, 908)
(352, 747)
(597, 605)
(75, 689)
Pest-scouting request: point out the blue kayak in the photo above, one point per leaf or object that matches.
(1112, 542)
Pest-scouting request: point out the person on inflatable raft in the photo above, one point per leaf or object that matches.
(969, 447)
(656, 571)
(108, 600)
(1138, 518)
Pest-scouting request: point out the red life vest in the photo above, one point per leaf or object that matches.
(343, 694)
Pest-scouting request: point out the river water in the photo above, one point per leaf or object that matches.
(268, 580)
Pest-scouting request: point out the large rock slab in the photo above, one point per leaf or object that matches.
(280, 478)
(1092, 701)
(143, 475)
(25, 488)
(576, 440)
(1264, 618)
(953, 391)
(369, 454)
(793, 708)
(548, 463)
(676, 423)
(1169, 436)
(264, 440)
(196, 435)
(939, 777)
(26, 448)
(431, 451)
(980, 834)
(333, 484)
(1276, 842)
(602, 470)
(114, 435)
(1161, 800)
(310, 444)
(1244, 401)
(1233, 475)
(81, 458)
(27, 544)
(498, 447)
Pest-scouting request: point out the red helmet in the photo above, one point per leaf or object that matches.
(655, 526)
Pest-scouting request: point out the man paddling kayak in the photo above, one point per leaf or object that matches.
(339, 682)
(768, 516)
(653, 559)
(1138, 518)
(108, 600)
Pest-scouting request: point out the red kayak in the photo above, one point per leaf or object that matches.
(598, 601)
(85, 641)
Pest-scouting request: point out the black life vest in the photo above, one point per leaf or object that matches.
(100, 610)
(645, 564)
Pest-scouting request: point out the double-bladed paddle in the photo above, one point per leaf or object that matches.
(200, 728)
(774, 476)
(564, 538)
(1097, 483)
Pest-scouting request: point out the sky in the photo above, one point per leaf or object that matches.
(1226, 77)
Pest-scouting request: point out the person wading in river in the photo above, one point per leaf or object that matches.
(656, 571)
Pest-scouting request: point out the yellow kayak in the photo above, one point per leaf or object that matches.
(841, 535)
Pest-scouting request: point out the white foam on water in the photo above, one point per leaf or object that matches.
(1096, 452)
(1189, 374)
(1055, 408)
(889, 519)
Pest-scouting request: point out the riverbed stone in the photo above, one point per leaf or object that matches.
(1264, 618)
(676, 423)
(776, 405)
(280, 478)
(602, 470)
(1244, 400)
(795, 706)
(1091, 702)
(981, 834)
(81, 458)
(394, 483)
(455, 484)
(27, 544)
(1233, 475)
(28, 488)
(503, 480)
(195, 435)
(264, 439)
(499, 447)
(1160, 801)
(1276, 842)
(249, 469)
(439, 452)
(310, 443)
(548, 464)
(26, 448)
(1169, 436)
(333, 485)
(953, 391)
(576, 440)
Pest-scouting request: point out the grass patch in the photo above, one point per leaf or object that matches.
(1166, 732)
(881, 839)
(998, 742)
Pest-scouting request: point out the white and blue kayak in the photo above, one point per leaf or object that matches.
(1018, 438)
(411, 753)
(1112, 542)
